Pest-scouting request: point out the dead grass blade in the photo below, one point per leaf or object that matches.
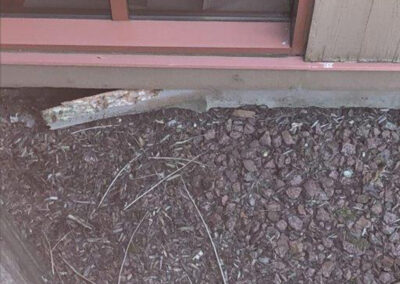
(76, 271)
(225, 281)
(160, 182)
(116, 177)
(127, 248)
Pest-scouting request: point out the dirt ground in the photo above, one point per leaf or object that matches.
(289, 195)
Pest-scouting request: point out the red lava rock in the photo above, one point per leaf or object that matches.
(281, 225)
(287, 138)
(277, 141)
(295, 223)
(386, 277)
(296, 180)
(265, 140)
(276, 216)
(235, 135)
(209, 135)
(293, 192)
(224, 199)
(323, 215)
(248, 129)
(312, 188)
(250, 165)
(282, 246)
(273, 206)
(327, 268)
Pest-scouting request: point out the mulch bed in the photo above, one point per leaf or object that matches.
(289, 195)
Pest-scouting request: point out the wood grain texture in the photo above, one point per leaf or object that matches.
(355, 30)
(19, 263)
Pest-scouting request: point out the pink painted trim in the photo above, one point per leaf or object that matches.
(185, 62)
(168, 37)
(119, 10)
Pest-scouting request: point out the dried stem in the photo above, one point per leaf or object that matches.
(116, 177)
(225, 281)
(50, 252)
(160, 182)
(76, 271)
(127, 248)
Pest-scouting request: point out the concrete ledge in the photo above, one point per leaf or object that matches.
(125, 102)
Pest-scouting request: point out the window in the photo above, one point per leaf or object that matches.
(195, 27)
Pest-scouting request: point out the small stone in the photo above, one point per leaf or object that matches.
(281, 225)
(210, 134)
(390, 126)
(390, 218)
(287, 138)
(296, 180)
(386, 277)
(363, 198)
(224, 199)
(377, 208)
(282, 246)
(273, 206)
(348, 149)
(230, 224)
(264, 260)
(277, 141)
(323, 215)
(248, 129)
(235, 135)
(293, 192)
(249, 165)
(296, 247)
(387, 262)
(265, 140)
(295, 222)
(327, 268)
(348, 173)
(312, 188)
(252, 201)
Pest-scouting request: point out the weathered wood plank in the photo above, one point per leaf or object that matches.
(19, 263)
(355, 30)
(382, 34)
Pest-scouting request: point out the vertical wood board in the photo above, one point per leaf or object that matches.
(355, 30)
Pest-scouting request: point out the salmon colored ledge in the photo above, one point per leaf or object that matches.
(185, 62)
(178, 37)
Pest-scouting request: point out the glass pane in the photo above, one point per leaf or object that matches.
(51, 8)
(211, 8)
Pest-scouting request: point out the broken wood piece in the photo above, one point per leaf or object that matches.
(126, 102)
(118, 103)
(243, 113)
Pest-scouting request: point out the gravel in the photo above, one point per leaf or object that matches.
(274, 187)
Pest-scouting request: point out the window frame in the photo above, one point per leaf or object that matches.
(124, 35)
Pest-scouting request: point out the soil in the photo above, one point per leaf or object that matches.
(289, 195)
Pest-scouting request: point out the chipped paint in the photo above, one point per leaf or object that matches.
(328, 65)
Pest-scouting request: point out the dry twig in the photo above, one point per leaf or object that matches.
(225, 281)
(127, 248)
(50, 252)
(91, 128)
(77, 272)
(116, 177)
(175, 159)
(160, 182)
(80, 221)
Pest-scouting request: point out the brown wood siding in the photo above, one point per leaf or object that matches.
(355, 30)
